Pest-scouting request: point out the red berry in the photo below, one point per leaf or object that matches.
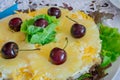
(15, 24)
(78, 30)
(41, 23)
(9, 50)
(53, 11)
(58, 56)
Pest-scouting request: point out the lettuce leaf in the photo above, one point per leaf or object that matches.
(110, 44)
(39, 35)
(82, 77)
(44, 37)
(110, 48)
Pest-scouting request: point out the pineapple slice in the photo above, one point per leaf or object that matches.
(35, 65)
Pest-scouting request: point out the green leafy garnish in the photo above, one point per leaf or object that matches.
(110, 44)
(82, 77)
(39, 35)
(110, 49)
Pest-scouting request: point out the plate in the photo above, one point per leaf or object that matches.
(114, 71)
(116, 3)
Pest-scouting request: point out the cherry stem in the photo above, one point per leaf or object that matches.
(66, 43)
(71, 19)
(29, 49)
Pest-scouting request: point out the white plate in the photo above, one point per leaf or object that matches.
(116, 3)
(114, 71)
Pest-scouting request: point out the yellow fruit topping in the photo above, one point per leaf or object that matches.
(35, 65)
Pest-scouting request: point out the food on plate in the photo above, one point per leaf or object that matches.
(15, 24)
(9, 50)
(53, 11)
(54, 44)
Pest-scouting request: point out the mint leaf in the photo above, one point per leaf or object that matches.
(39, 35)
(110, 44)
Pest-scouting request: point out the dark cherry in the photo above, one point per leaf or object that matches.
(41, 23)
(78, 30)
(58, 56)
(9, 50)
(15, 24)
(53, 11)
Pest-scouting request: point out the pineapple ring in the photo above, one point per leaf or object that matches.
(81, 53)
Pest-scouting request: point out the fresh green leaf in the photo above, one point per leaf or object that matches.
(26, 24)
(110, 44)
(39, 35)
(32, 29)
(44, 37)
(82, 77)
(106, 61)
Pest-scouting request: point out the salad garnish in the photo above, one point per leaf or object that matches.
(109, 53)
(40, 35)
